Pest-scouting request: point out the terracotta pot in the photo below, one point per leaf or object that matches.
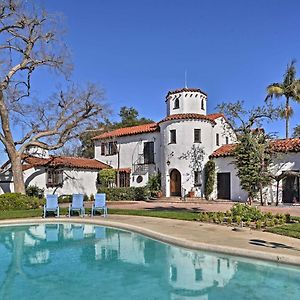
(159, 194)
(191, 194)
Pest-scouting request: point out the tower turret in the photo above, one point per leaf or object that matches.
(186, 100)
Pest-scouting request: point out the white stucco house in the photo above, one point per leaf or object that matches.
(176, 147)
(170, 147)
(60, 174)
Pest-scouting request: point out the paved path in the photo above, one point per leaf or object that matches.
(197, 206)
(196, 235)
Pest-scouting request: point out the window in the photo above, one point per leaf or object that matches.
(112, 148)
(217, 139)
(54, 178)
(173, 136)
(202, 104)
(227, 140)
(198, 274)
(176, 104)
(197, 135)
(103, 148)
(139, 179)
(197, 177)
(149, 152)
(124, 178)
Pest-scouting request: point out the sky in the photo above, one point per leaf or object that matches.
(138, 50)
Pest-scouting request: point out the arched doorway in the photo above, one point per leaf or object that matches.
(175, 183)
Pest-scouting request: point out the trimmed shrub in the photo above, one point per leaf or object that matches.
(209, 178)
(125, 193)
(16, 201)
(35, 191)
(65, 199)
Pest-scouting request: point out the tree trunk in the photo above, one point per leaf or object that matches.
(8, 141)
(277, 192)
(287, 117)
(261, 194)
(17, 172)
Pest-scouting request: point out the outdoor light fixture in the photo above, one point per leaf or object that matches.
(168, 162)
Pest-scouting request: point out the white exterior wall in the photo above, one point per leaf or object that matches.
(226, 165)
(75, 181)
(130, 147)
(189, 102)
(184, 142)
(283, 162)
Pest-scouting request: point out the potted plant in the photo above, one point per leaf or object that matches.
(191, 193)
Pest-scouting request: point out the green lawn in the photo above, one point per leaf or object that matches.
(292, 230)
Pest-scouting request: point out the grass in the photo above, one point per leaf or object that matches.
(291, 230)
(178, 215)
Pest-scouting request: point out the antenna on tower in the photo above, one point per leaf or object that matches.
(185, 79)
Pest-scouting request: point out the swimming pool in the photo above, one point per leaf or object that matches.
(83, 261)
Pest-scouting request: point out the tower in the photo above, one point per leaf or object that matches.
(186, 100)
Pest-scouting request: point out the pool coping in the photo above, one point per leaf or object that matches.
(166, 238)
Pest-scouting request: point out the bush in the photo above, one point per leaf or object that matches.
(65, 199)
(154, 184)
(246, 212)
(209, 178)
(16, 201)
(35, 191)
(125, 193)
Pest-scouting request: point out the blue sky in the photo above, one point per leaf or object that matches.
(137, 50)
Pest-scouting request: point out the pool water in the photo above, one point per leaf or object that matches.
(76, 261)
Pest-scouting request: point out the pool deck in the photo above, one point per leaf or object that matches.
(196, 235)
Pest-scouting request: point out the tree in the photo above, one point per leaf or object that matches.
(253, 153)
(296, 133)
(290, 89)
(129, 117)
(29, 41)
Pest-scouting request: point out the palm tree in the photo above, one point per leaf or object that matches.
(290, 89)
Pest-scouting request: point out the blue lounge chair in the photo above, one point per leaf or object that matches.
(99, 204)
(51, 204)
(77, 204)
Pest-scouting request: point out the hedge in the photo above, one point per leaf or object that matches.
(125, 193)
(16, 201)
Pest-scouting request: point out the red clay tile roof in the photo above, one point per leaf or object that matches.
(64, 161)
(286, 145)
(282, 145)
(145, 128)
(216, 116)
(124, 170)
(185, 90)
(189, 116)
(223, 151)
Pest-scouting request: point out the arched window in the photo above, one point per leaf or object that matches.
(176, 103)
(202, 104)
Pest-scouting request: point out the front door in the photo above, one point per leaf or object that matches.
(175, 183)
(223, 185)
(290, 189)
